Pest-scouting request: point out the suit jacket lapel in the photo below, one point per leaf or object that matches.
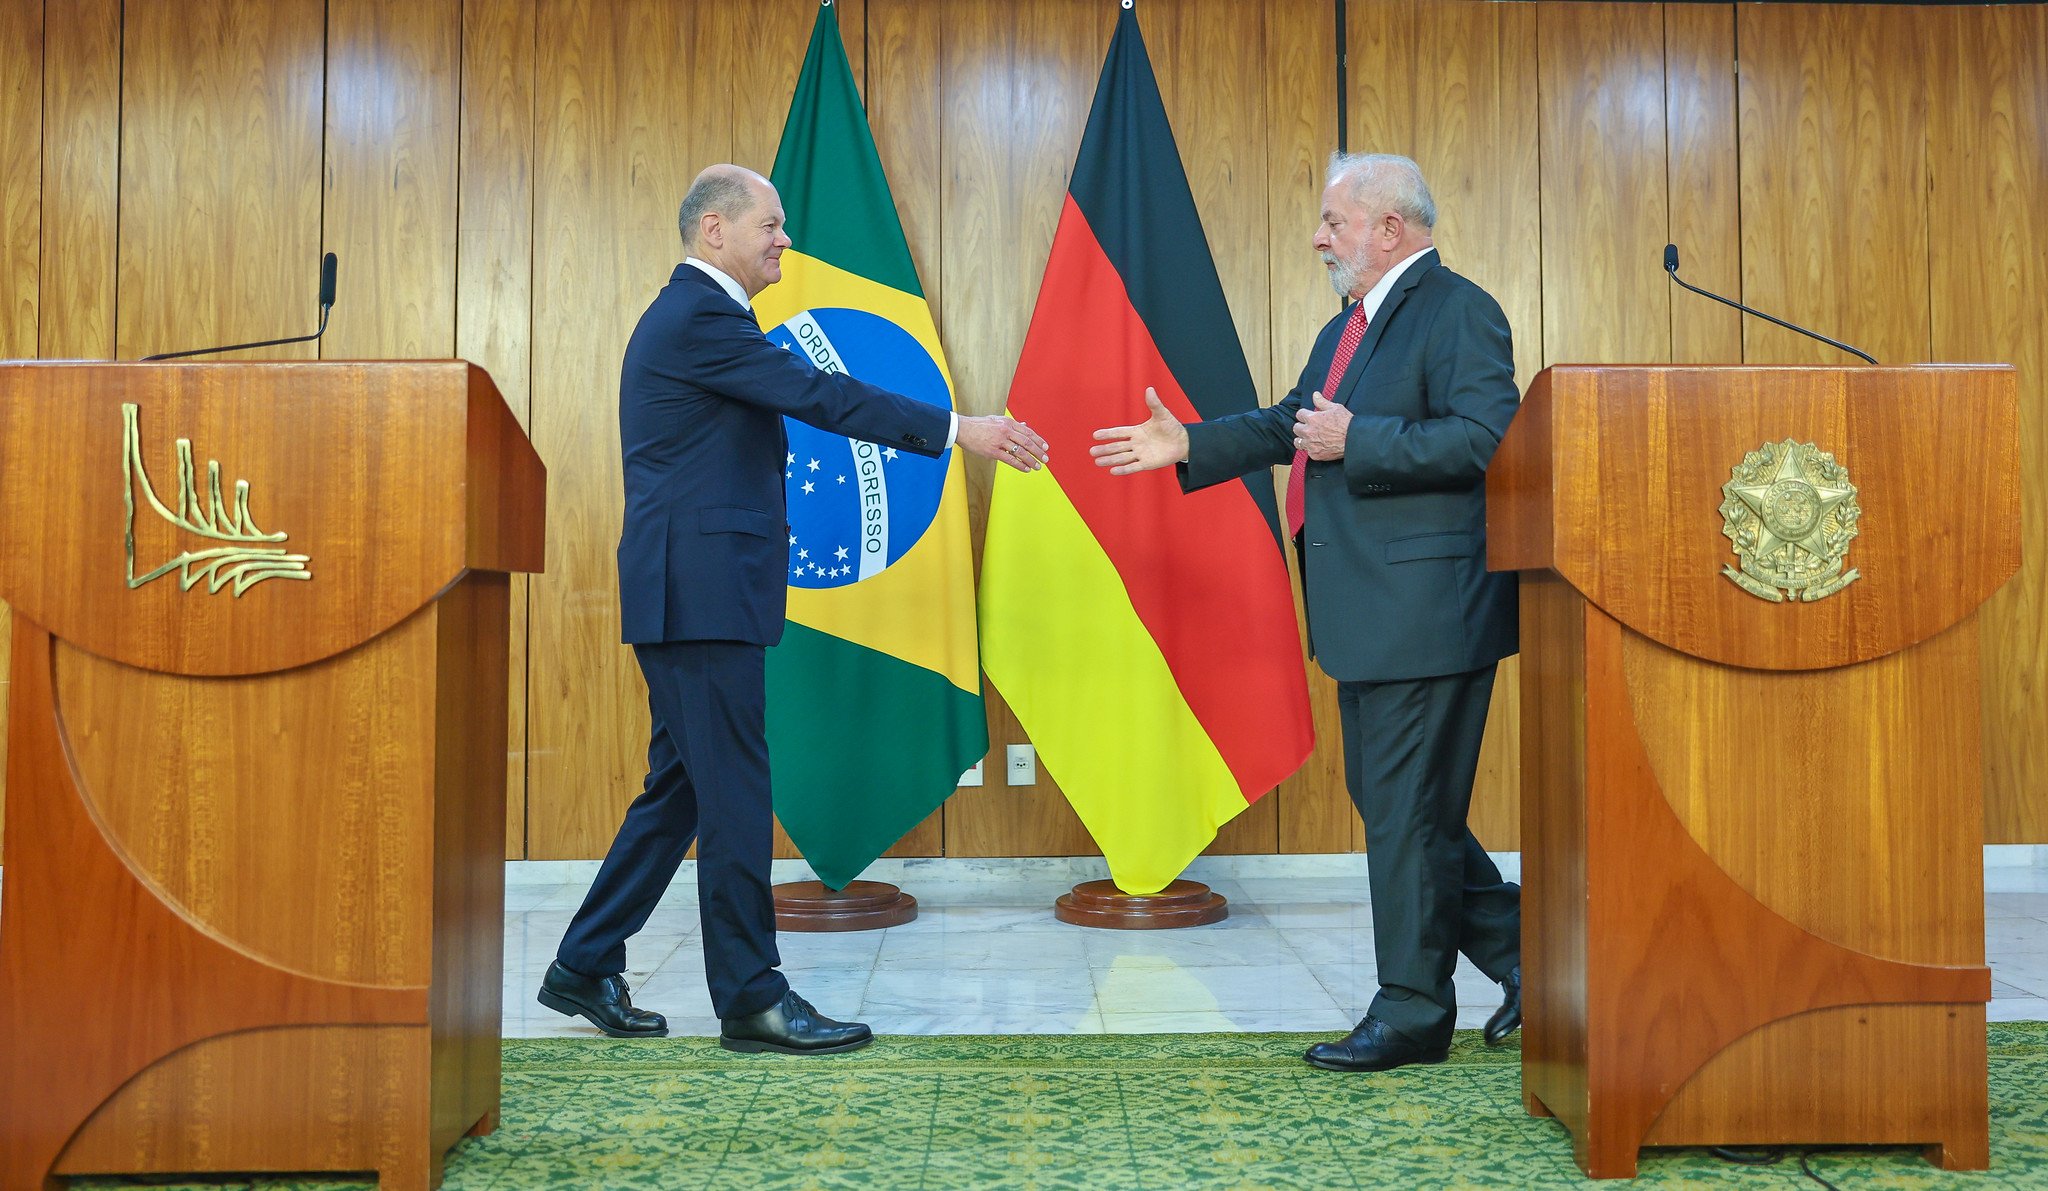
(1378, 325)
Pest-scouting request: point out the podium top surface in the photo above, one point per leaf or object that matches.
(1780, 518)
(222, 518)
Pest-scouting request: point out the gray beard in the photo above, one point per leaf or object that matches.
(1343, 277)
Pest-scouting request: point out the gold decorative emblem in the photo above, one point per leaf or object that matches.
(242, 563)
(1791, 511)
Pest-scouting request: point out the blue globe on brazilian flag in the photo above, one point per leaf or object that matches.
(874, 695)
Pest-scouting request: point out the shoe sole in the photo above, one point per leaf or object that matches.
(748, 1046)
(569, 1008)
(1421, 1061)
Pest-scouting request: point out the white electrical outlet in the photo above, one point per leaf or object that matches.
(1023, 765)
(972, 777)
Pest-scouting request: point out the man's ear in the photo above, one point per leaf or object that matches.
(711, 230)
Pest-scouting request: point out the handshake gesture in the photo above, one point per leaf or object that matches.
(1004, 439)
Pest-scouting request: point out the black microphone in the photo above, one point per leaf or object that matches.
(327, 267)
(1671, 267)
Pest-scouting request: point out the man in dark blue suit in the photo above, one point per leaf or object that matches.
(703, 562)
(1406, 394)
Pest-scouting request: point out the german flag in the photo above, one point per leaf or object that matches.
(1145, 639)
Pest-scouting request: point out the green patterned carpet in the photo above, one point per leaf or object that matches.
(1099, 1112)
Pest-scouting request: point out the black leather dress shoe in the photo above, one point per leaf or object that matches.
(1508, 1018)
(603, 1001)
(1374, 1046)
(791, 1027)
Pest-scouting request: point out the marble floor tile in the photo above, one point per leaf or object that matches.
(1011, 993)
(1139, 985)
(2017, 1009)
(973, 949)
(1195, 947)
(1316, 945)
(2016, 936)
(1248, 1021)
(887, 1020)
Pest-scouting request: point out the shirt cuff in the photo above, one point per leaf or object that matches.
(952, 427)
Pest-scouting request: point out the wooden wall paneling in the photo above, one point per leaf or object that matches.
(389, 202)
(1704, 179)
(21, 231)
(1453, 84)
(1312, 808)
(1834, 180)
(21, 163)
(1988, 234)
(494, 279)
(220, 174)
(902, 87)
(1209, 56)
(764, 77)
(630, 102)
(1601, 135)
(81, 178)
(1017, 78)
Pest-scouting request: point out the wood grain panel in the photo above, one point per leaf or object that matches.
(763, 78)
(1739, 1096)
(1660, 440)
(80, 178)
(1894, 890)
(1314, 809)
(1834, 181)
(1602, 138)
(1453, 84)
(21, 220)
(220, 174)
(224, 834)
(629, 106)
(903, 89)
(389, 201)
(1017, 79)
(21, 162)
(1988, 236)
(494, 280)
(198, 1107)
(1705, 179)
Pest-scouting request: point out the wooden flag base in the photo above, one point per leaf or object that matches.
(1102, 904)
(862, 905)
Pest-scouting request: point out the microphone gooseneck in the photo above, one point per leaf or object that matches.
(1671, 267)
(327, 271)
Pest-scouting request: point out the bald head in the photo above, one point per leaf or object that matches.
(732, 219)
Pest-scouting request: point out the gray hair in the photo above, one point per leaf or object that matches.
(1385, 182)
(720, 191)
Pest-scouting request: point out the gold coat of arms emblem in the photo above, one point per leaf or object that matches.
(1791, 512)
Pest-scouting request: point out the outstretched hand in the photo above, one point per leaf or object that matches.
(1158, 441)
(1003, 438)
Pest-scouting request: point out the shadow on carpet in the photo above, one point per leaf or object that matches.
(1097, 1113)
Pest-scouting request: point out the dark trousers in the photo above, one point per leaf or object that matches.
(707, 780)
(1410, 752)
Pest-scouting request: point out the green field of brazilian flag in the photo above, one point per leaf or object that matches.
(874, 695)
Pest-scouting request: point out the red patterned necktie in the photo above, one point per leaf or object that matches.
(1297, 479)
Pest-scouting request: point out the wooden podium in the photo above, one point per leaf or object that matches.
(1752, 827)
(254, 872)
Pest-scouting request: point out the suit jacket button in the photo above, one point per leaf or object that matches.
(914, 440)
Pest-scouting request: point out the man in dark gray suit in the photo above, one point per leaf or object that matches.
(1405, 396)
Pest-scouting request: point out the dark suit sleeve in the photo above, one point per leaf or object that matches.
(735, 360)
(1468, 379)
(1229, 447)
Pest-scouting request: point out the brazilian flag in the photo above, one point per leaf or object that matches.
(874, 695)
